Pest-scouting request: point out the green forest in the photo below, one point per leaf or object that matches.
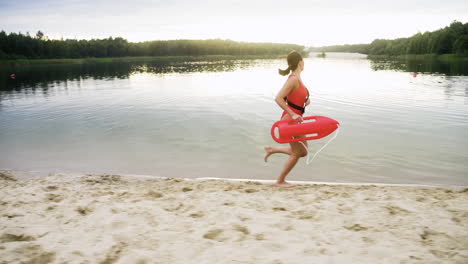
(452, 39)
(24, 46)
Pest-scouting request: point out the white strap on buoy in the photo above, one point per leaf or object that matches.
(313, 157)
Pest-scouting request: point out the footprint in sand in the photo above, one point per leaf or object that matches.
(395, 210)
(459, 217)
(15, 237)
(368, 240)
(432, 237)
(54, 197)
(11, 215)
(279, 209)
(259, 237)
(84, 210)
(51, 188)
(174, 207)
(242, 229)
(215, 234)
(153, 195)
(421, 199)
(303, 214)
(102, 179)
(7, 176)
(197, 215)
(114, 253)
(50, 208)
(244, 218)
(30, 253)
(356, 227)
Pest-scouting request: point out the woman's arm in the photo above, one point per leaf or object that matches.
(290, 85)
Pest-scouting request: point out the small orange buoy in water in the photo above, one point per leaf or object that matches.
(314, 127)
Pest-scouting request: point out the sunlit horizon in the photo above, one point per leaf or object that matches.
(308, 23)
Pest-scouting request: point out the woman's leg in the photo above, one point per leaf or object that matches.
(273, 150)
(297, 151)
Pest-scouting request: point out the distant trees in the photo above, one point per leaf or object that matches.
(18, 45)
(356, 48)
(451, 39)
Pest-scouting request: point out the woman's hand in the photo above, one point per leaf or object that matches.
(307, 102)
(297, 118)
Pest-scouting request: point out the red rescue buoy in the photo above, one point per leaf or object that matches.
(314, 127)
(13, 76)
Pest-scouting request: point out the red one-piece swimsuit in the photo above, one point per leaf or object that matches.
(297, 97)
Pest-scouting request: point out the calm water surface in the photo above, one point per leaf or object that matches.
(212, 119)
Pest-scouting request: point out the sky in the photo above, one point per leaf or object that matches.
(304, 22)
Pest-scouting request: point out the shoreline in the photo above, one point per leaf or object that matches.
(32, 174)
(101, 218)
(456, 187)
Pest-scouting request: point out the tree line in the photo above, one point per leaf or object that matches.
(452, 39)
(24, 46)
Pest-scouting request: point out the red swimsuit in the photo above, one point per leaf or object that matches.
(297, 97)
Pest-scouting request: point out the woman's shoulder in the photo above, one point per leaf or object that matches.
(293, 80)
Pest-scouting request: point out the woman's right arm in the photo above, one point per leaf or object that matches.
(290, 85)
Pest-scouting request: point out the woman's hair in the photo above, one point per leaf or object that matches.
(294, 58)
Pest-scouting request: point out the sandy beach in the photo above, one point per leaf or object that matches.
(65, 218)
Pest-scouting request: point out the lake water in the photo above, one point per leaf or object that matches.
(211, 118)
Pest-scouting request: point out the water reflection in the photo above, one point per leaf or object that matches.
(429, 65)
(45, 76)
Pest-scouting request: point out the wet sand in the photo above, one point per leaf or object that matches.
(66, 218)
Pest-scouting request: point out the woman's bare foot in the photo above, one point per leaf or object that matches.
(268, 153)
(284, 184)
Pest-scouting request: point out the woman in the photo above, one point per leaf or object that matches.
(292, 98)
